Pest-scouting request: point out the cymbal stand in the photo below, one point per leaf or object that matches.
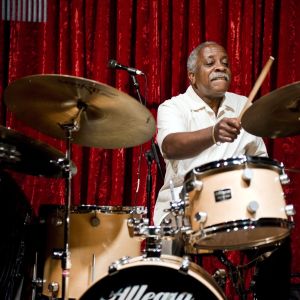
(236, 272)
(65, 254)
(149, 157)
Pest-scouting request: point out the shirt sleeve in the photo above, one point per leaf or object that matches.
(170, 119)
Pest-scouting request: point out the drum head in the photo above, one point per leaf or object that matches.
(236, 162)
(154, 280)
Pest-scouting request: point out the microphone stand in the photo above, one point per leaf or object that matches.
(153, 147)
(149, 154)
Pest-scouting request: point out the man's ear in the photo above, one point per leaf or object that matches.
(192, 78)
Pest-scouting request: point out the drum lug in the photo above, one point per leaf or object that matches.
(247, 175)
(193, 184)
(115, 266)
(290, 210)
(252, 207)
(284, 178)
(198, 185)
(53, 288)
(200, 216)
(95, 221)
(185, 265)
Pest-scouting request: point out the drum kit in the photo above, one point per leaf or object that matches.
(94, 252)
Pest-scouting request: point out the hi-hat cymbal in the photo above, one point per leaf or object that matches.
(106, 117)
(23, 154)
(276, 114)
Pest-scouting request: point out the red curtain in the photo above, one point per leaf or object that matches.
(79, 37)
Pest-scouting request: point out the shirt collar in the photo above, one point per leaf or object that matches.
(197, 103)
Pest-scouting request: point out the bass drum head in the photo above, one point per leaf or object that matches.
(155, 278)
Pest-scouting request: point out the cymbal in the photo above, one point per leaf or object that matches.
(23, 154)
(105, 116)
(276, 114)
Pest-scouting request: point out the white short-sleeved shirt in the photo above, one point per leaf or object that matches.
(188, 112)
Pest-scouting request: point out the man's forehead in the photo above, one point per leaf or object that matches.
(212, 50)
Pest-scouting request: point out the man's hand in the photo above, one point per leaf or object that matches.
(227, 130)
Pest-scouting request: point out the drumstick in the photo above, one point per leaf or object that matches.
(257, 85)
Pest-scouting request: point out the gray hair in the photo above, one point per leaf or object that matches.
(193, 57)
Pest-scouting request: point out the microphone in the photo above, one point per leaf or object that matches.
(113, 64)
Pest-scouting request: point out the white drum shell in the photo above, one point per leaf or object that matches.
(229, 224)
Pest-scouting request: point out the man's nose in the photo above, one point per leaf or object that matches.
(220, 66)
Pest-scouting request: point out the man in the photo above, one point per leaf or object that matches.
(201, 126)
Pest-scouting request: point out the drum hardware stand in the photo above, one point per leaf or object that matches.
(149, 158)
(154, 151)
(64, 255)
(37, 282)
(220, 277)
(151, 155)
(235, 275)
(177, 208)
(152, 234)
(235, 272)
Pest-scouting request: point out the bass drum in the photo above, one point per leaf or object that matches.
(99, 235)
(167, 277)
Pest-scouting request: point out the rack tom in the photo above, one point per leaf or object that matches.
(237, 203)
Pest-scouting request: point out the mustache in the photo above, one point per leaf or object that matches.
(217, 75)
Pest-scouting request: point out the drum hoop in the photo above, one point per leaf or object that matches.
(238, 162)
(241, 224)
(109, 209)
(244, 224)
(165, 259)
(78, 209)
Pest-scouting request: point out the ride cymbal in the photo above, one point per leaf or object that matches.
(105, 116)
(276, 114)
(26, 155)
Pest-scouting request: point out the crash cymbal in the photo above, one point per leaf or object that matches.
(107, 117)
(276, 114)
(26, 155)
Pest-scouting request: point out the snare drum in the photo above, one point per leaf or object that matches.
(237, 203)
(98, 236)
(167, 277)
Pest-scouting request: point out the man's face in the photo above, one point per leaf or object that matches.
(212, 76)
